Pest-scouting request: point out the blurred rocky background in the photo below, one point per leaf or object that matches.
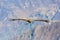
(34, 9)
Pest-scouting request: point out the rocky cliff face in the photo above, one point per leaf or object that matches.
(50, 32)
(33, 9)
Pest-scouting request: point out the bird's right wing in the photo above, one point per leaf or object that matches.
(18, 19)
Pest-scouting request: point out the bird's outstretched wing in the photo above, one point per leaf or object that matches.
(43, 20)
(27, 20)
(18, 19)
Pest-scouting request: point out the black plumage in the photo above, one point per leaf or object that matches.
(30, 20)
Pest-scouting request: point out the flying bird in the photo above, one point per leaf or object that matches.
(30, 20)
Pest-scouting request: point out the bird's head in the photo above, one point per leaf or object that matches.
(29, 20)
